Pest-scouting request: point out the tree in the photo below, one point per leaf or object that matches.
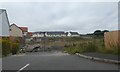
(105, 31)
(98, 32)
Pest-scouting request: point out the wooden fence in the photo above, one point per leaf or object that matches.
(112, 39)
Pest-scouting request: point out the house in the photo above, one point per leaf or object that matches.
(38, 34)
(4, 31)
(4, 24)
(55, 34)
(15, 31)
(16, 34)
(25, 30)
(19, 33)
(25, 34)
(30, 34)
(73, 34)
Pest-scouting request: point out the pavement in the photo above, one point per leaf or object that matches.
(54, 60)
(104, 56)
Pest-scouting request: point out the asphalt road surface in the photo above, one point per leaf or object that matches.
(53, 61)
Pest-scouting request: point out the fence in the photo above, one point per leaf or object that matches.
(112, 39)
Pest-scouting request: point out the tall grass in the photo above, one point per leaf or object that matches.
(15, 48)
(90, 45)
(82, 47)
(79, 45)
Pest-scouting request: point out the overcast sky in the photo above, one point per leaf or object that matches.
(84, 17)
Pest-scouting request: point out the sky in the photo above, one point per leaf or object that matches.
(83, 17)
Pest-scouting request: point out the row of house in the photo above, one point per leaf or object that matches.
(13, 30)
(16, 32)
(55, 34)
(23, 32)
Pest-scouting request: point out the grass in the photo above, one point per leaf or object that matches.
(80, 45)
(80, 48)
(113, 49)
(90, 45)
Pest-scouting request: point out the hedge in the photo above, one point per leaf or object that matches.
(9, 47)
(5, 47)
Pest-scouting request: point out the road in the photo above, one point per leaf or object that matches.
(53, 61)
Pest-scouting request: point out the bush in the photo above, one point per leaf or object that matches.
(15, 48)
(9, 47)
(5, 47)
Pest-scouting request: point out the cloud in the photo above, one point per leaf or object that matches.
(59, 0)
(83, 17)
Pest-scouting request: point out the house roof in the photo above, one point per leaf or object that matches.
(39, 33)
(56, 33)
(16, 26)
(24, 29)
(74, 33)
(30, 33)
(51, 33)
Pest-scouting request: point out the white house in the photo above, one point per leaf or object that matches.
(73, 34)
(38, 34)
(15, 31)
(4, 24)
(55, 34)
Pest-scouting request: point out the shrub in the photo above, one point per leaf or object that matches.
(15, 48)
(9, 47)
(5, 47)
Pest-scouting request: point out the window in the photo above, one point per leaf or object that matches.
(10, 29)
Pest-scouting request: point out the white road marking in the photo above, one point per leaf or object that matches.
(23, 67)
